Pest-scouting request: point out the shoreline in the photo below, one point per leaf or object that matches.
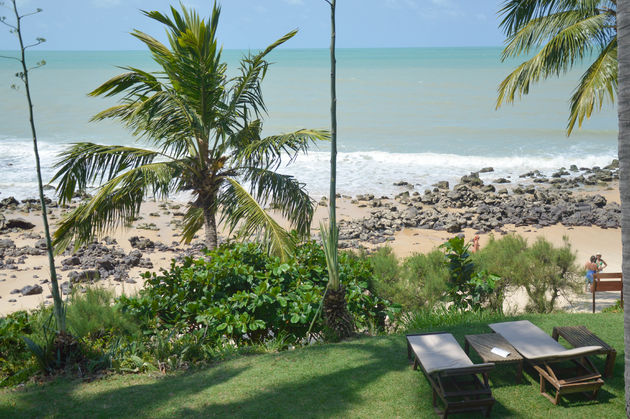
(159, 223)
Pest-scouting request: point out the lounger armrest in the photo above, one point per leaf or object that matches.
(569, 353)
(473, 369)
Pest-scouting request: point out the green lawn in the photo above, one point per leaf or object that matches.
(368, 377)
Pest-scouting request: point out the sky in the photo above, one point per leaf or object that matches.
(253, 24)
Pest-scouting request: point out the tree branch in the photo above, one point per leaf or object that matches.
(2, 20)
(10, 58)
(30, 14)
(35, 44)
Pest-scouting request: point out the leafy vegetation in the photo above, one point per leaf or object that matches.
(240, 294)
(469, 287)
(544, 271)
(417, 282)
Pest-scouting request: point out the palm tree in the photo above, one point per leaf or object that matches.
(205, 132)
(562, 33)
(624, 166)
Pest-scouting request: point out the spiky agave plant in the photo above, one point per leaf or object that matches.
(205, 132)
(336, 314)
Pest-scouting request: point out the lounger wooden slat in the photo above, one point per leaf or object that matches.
(455, 380)
(547, 357)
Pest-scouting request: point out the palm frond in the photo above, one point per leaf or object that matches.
(193, 222)
(116, 203)
(86, 163)
(598, 83)
(555, 58)
(268, 152)
(518, 13)
(246, 90)
(570, 34)
(242, 213)
(283, 193)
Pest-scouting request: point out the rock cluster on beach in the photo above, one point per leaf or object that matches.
(484, 208)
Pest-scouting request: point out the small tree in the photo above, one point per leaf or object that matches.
(23, 75)
(468, 287)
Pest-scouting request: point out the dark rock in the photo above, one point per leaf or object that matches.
(599, 201)
(32, 290)
(441, 185)
(487, 170)
(141, 243)
(19, 223)
(71, 261)
(501, 180)
(10, 201)
(84, 276)
(6, 243)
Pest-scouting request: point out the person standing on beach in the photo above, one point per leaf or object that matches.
(601, 263)
(591, 269)
(475, 248)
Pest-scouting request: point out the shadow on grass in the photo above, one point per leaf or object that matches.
(59, 399)
(228, 391)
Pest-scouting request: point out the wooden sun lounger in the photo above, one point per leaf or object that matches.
(548, 358)
(452, 375)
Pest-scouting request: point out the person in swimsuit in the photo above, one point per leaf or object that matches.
(601, 263)
(591, 268)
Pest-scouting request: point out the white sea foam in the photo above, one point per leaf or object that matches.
(375, 171)
(357, 172)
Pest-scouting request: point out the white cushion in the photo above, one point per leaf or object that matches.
(533, 343)
(438, 352)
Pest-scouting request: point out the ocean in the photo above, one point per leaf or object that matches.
(413, 114)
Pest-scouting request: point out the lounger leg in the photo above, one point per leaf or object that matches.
(610, 363)
(519, 372)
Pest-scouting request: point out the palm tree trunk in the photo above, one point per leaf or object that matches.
(623, 37)
(211, 228)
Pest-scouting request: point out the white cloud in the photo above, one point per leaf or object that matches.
(294, 2)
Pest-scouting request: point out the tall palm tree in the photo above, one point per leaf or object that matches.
(205, 132)
(561, 33)
(623, 110)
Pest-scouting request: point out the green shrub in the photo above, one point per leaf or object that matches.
(428, 273)
(543, 270)
(468, 286)
(93, 312)
(240, 294)
(15, 363)
(418, 282)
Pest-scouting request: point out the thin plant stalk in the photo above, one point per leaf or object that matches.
(58, 302)
(331, 244)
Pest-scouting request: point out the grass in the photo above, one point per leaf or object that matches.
(368, 377)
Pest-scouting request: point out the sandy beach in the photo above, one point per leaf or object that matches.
(162, 219)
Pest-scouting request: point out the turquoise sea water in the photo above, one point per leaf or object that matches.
(416, 114)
